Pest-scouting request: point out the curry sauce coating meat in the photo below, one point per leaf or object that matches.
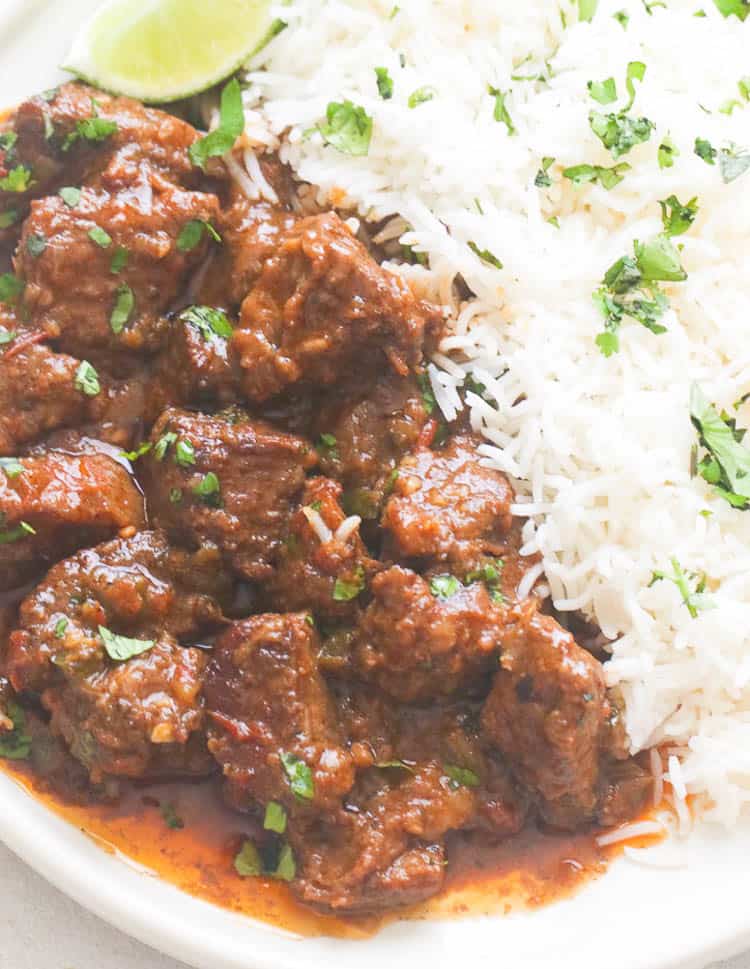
(54, 503)
(30, 408)
(227, 481)
(109, 308)
(321, 572)
(272, 723)
(416, 645)
(363, 429)
(321, 303)
(550, 715)
(422, 775)
(76, 134)
(447, 507)
(118, 716)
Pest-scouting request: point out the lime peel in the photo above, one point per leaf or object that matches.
(165, 50)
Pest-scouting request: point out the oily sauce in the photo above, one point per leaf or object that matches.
(531, 869)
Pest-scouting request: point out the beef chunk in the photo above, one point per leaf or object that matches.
(227, 481)
(197, 364)
(272, 717)
(119, 716)
(416, 645)
(251, 232)
(57, 140)
(107, 309)
(547, 713)
(447, 507)
(362, 432)
(323, 573)
(321, 302)
(32, 407)
(137, 587)
(56, 503)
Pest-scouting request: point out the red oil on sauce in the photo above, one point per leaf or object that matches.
(530, 870)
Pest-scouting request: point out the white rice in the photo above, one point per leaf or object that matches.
(599, 449)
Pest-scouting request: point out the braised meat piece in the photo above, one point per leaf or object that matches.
(251, 233)
(447, 507)
(320, 304)
(227, 481)
(55, 503)
(197, 364)
(76, 134)
(32, 407)
(323, 564)
(99, 640)
(137, 587)
(548, 714)
(125, 254)
(273, 725)
(363, 430)
(418, 640)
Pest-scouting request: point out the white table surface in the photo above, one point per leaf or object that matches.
(42, 929)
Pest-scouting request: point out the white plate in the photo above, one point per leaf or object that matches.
(633, 918)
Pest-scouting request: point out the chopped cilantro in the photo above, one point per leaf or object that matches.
(119, 260)
(623, 18)
(92, 129)
(736, 8)
(606, 177)
(636, 72)
(192, 233)
(122, 648)
(60, 626)
(208, 321)
(175, 496)
(208, 490)
(184, 453)
(275, 819)
(605, 92)
(693, 597)
(587, 9)
(35, 245)
(733, 162)
(18, 533)
(542, 179)
(486, 256)
(16, 744)
(87, 380)
(71, 196)
(171, 818)
(347, 128)
(123, 308)
(299, 776)
(619, 132)
(676, 217)
(667, 152)
(12, 467)
(385, 83)
(100, 237)
(501, 112)
(421, 96)
(726, 466)
(347, 589)
(705, 150)
(163, 444)
(444, 586)
(231, 125)
(11, 288)
(428, 397)
(326, 447)
(18, 179)
(461, 776)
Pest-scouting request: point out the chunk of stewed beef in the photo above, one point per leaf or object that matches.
(99, 640)
(323, 564)
(54, 503)
(320, 304)
(227, 481)
(447, 507)
(548, 713)
(418, 640)
(128, 255)
(273, 725)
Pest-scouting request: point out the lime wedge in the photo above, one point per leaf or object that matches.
(163, 50)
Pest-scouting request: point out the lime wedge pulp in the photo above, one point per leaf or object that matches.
(163, 50)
